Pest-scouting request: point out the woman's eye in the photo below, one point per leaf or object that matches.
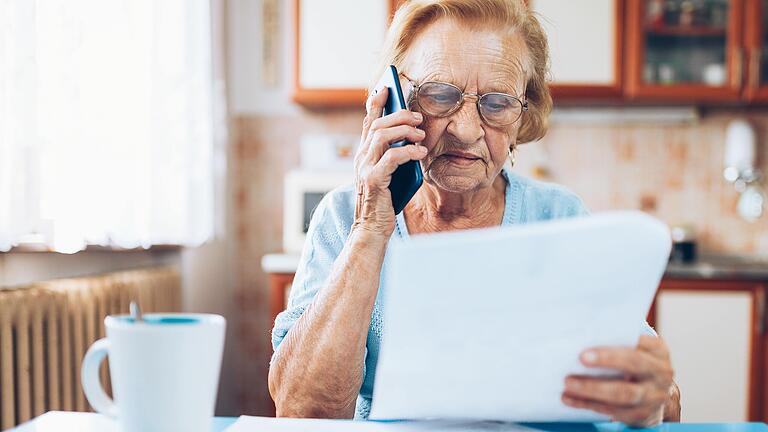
(441, 98)
(495, 106)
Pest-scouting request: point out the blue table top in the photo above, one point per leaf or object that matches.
(664, 427)
(60, 421)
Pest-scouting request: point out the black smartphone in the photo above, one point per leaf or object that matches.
(407, 178)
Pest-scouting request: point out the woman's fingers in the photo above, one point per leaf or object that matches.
(405, 120)
(395, 157)
(374, 125)
(638, 399)
(375, 161)
(629, 360)
(382, 138)
(654, 345)
(374, 107)
(635, 417)
(403, 117)
(614, 392)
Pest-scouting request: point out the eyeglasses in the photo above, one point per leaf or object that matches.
(440, 99)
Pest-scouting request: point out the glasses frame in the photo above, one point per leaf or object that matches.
(414, 96)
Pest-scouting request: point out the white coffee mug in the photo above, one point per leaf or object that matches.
(164, 370)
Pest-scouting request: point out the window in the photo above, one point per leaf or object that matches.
(107, 123)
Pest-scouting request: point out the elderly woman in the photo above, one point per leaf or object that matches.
(475, 71)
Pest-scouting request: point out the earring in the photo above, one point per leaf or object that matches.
(512, 153)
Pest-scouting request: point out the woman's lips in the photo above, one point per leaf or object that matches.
(460, 158)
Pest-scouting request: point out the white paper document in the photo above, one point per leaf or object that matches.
(486, 324)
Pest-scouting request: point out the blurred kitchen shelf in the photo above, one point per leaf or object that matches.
(688, 31)
(625, 115)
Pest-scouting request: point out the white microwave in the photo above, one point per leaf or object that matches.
(303, 191)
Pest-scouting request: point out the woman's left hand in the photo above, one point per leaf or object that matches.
(639, 398)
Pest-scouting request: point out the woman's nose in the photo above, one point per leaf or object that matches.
(466, 123)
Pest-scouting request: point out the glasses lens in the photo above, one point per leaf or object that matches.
(500, 109)
(438, 99)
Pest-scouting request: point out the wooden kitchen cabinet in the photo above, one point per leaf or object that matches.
(716, 336)
(627, 51)
(334, 58)
(279, 290)
(756, 43)
(685, 50)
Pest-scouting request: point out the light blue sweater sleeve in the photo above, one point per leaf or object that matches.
(327, 233)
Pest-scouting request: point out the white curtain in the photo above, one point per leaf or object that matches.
(107, 123)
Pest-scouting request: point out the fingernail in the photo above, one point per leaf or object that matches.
(418, 116)
(423, 149)
(589, 356)
(421, 132)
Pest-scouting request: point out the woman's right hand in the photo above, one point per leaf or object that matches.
(375, 162)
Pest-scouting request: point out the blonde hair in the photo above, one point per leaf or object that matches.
(508, 15)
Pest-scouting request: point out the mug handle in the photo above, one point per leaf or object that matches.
(89, 376)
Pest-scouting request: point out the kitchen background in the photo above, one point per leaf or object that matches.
(645, 93)
(662, 153)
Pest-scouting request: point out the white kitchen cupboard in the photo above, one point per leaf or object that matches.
(585, 41)
(715, 330)
(336, 48)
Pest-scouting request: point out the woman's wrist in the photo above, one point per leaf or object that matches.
(367, 235)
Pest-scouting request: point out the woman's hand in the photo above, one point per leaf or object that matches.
(375, 162)
(639, 399)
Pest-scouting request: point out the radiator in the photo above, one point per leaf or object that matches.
(46, 328)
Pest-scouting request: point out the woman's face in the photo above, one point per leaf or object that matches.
(466, 154)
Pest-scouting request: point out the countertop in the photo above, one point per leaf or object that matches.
(706, 267)
(720, 267)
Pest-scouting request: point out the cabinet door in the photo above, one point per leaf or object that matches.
(336, 44)
(713, 333)
(685, 50)
(756, 25)
(280, 289)
(585, 46)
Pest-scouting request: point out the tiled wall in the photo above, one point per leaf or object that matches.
(265, 149)
(672, 171)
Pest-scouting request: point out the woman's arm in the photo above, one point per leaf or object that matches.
(317, 370)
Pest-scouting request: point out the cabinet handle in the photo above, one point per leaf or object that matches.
(754, 67)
